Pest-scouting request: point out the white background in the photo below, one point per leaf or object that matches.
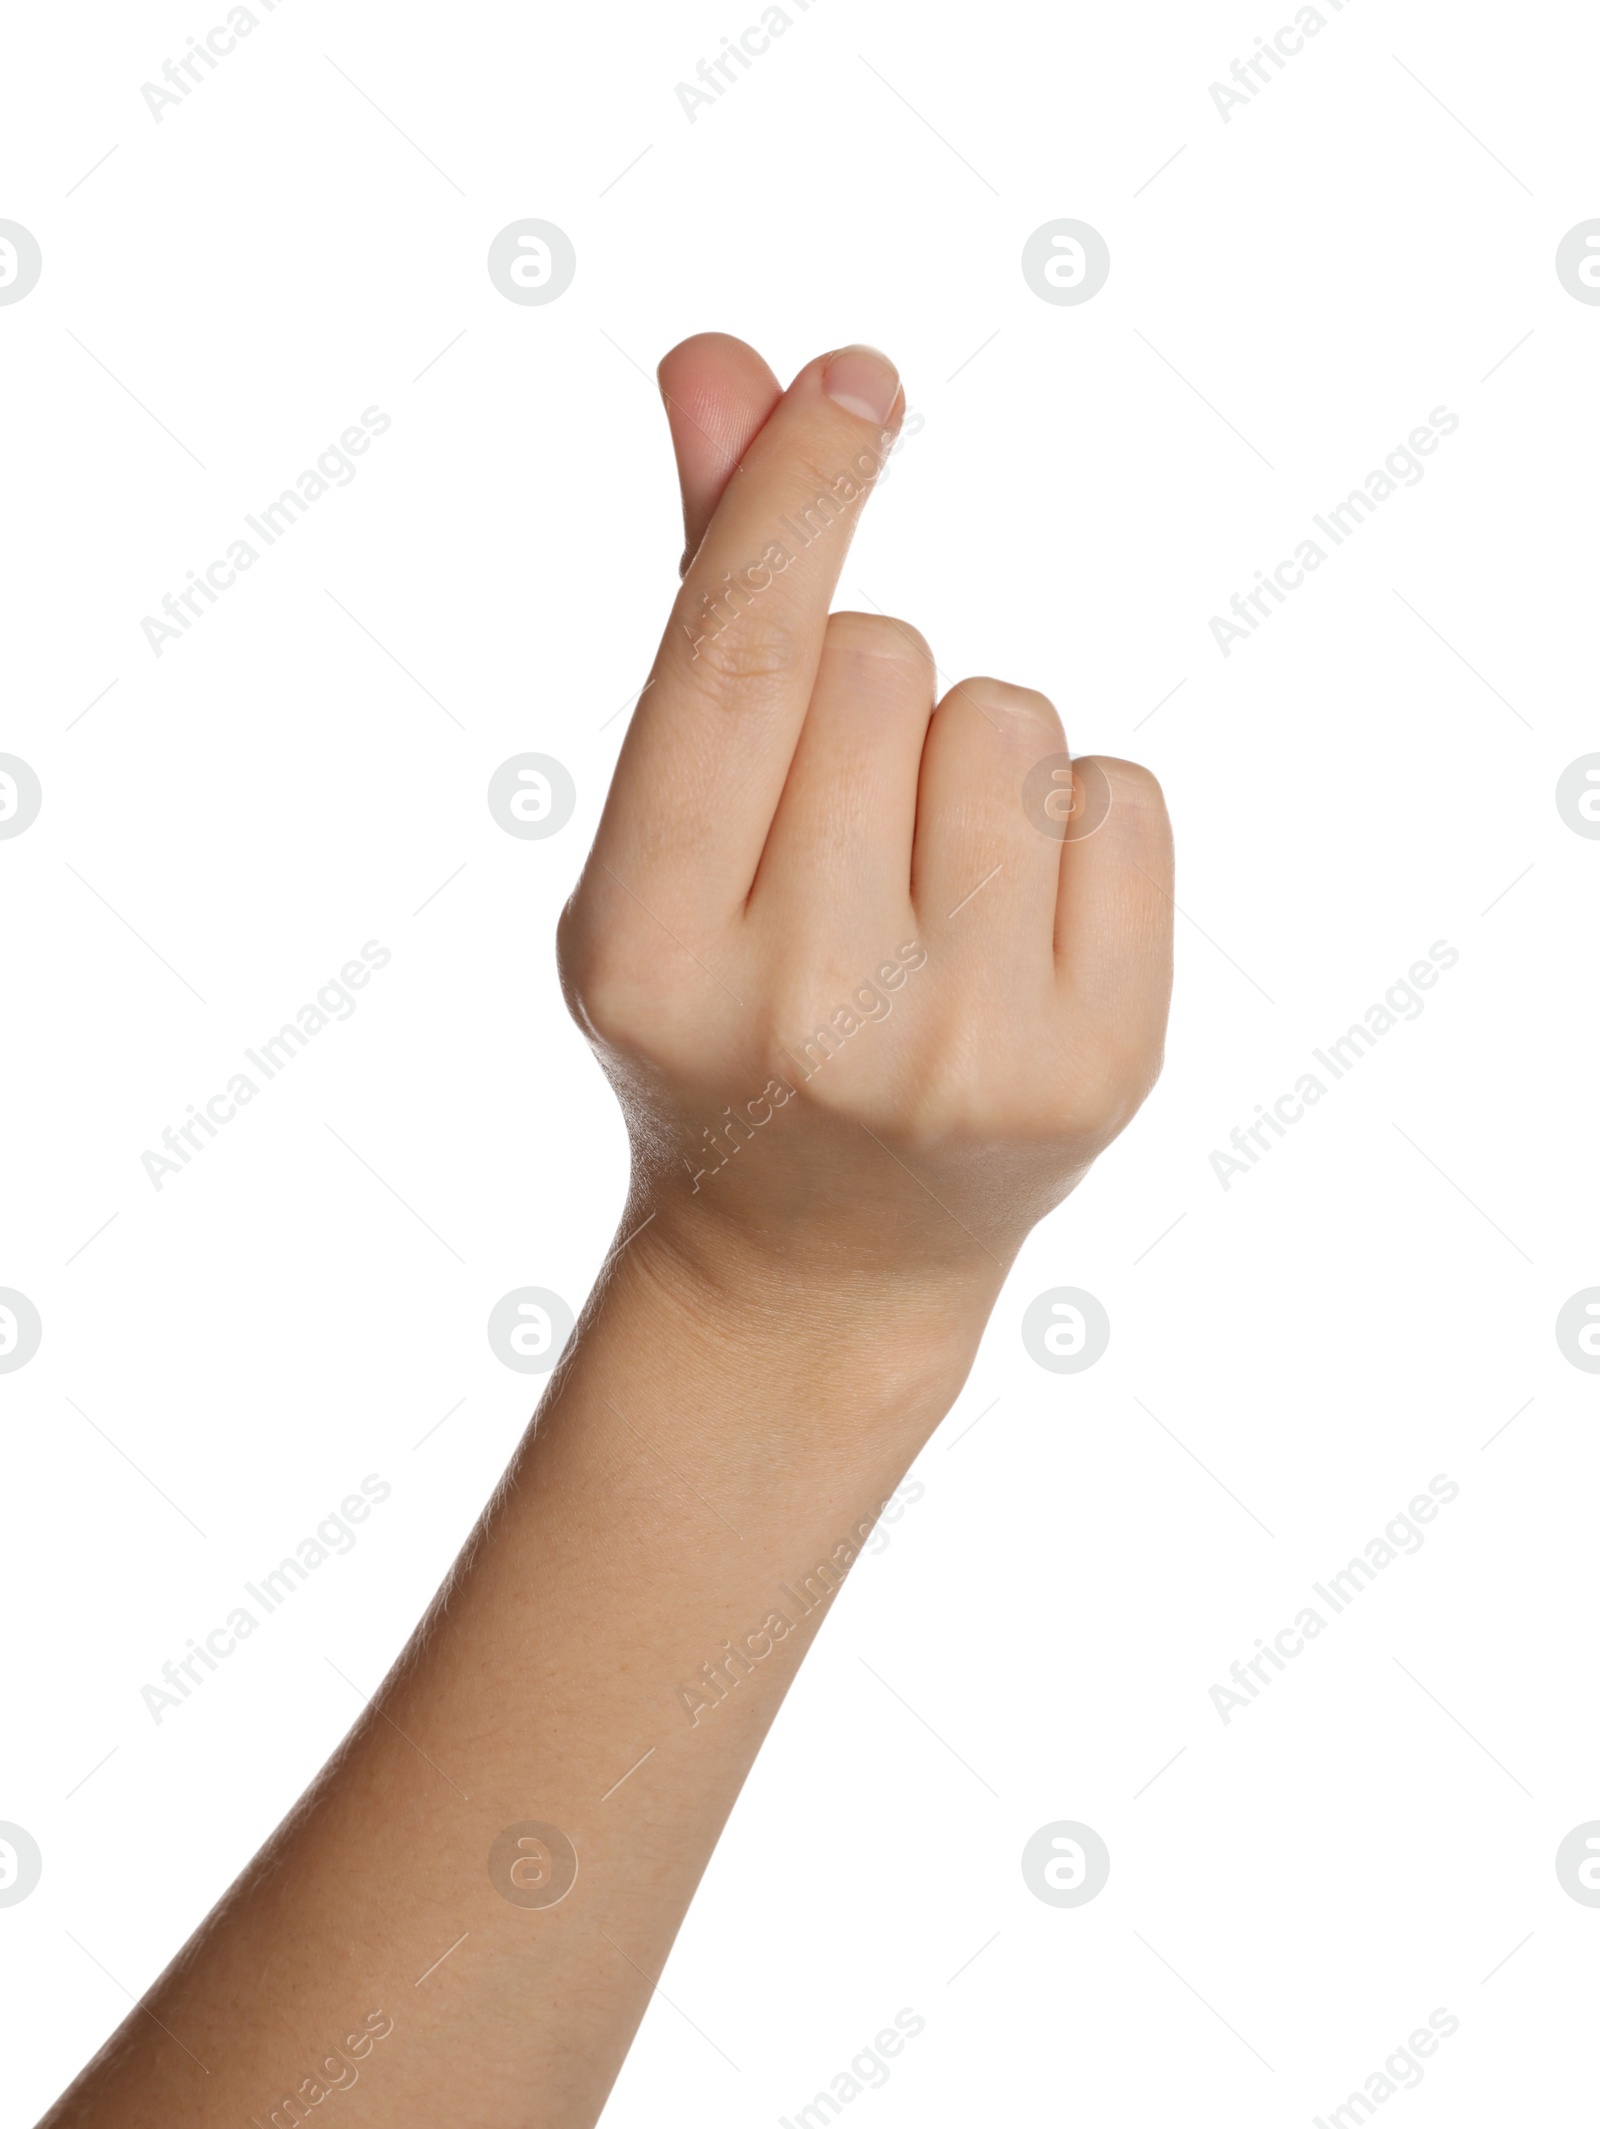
(1372, 771)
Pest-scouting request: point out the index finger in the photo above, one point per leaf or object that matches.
(706, 756)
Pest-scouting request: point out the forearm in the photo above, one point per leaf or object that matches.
(606, 1660)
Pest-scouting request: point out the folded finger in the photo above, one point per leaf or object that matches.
(1114, 915)
(984, 878)
(844, 826)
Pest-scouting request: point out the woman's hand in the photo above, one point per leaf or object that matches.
(875, 977)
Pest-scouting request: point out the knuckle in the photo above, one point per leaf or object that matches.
(581, 955)
(744, 663)
(1135, 790)
(879, 636)
(571, 941)
(612, 1005)
(1002, 700)
(1108, 1085)
(611, 979)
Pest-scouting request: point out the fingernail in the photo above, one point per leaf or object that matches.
(862, 381)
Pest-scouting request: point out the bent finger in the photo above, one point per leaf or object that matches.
(1114, 914)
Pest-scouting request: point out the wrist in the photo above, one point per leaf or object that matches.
(843, 1345)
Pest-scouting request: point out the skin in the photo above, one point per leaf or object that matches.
(793, 825)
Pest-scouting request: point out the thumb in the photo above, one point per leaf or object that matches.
(718, 394)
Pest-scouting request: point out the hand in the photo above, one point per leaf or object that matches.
(867, 1007)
